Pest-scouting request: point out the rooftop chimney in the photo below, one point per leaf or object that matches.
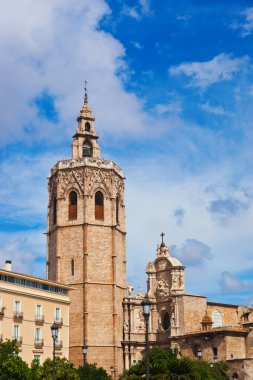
(8, 265)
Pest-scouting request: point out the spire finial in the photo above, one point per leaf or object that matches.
(85, 92)
(162, 243)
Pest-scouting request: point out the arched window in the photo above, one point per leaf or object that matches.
(216, 318)
(117, 209)
(87, 149)
(72, 205)
(166, 320)
(54, 210)
(72, 267)
(87, 127)
(99, 205)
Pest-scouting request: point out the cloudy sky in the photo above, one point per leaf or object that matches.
(171, 86)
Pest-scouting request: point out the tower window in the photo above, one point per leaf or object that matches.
(72, 205)
(99, 205)
(117, 209)
(87, 127)
(87, 149)
(166, 320)
(54, 210)
(72, 267)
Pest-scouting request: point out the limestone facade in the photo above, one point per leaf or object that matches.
(28, 307)
(86, 245)
(197, 328)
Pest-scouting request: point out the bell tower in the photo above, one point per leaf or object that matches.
(86, 245)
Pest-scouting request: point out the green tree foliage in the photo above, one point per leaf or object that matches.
(12, 367)
(167, 365)
(92, 372)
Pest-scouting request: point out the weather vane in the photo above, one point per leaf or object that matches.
(85, 91)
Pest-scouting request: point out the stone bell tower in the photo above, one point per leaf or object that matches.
(86, 245)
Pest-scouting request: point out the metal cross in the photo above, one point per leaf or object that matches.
(162, 235)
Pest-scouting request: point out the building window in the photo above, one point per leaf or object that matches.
(117, 209)
(37, 335)
(37, 358)
(99, 206)
(54, 210)
(16, 335)
(87, 149)
(87, 127)
(57, 315)
(165, 321)
(72, 267)
(72, 205)
(216, 318)
(215, 354)
(17, 307)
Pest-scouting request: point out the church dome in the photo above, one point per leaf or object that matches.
(175, 262)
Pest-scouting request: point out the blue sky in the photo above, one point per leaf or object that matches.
(171, 86)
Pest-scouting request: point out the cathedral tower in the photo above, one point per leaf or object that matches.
(86, 245)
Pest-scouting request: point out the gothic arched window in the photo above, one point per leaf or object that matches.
(72, 267)
(117, 209)
(87, 149)
(87, 127)
(216, 318)
(72, 205)
(166, 321)
(99, 205)
(54, 210)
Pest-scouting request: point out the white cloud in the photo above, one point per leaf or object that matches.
(141, 9)
(247, 26)
(137, 45)
(53, 46)
(217, 110)
(192, 252)
(203, 74)
(231, 282)
(174, 107)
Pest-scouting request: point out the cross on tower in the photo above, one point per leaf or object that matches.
(162, 235)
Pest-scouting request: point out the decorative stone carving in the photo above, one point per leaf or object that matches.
(126, 327)
(130, 290)
(162, 251)
(162, 289)
(141, 325)
(140, 294)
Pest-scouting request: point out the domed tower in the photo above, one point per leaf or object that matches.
(86, 245)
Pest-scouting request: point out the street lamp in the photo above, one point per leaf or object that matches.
(85, 350)
(54, 332)
(146, 313)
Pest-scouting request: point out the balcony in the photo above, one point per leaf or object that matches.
(58, 345)
(39, 318)
(18, 339)
(18, 315)
(58, 321)
(38, 343)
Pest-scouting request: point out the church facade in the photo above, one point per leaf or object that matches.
(197, 328)
(86, 245)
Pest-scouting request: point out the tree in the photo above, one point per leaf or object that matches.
(167, 365)
(92, 372)
(12, 367)
(64, 370)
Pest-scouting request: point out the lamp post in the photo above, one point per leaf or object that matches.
(85, 350)
(146, 313)
(54, 332)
